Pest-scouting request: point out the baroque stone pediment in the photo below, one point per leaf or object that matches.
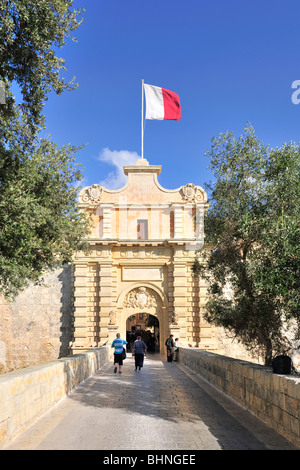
(142, 187)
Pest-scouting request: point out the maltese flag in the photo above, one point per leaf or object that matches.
(161, 103)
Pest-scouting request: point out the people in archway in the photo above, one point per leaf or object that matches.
(152, 342)
(170, 348)
(118, 344)
(139, 351)
(132, 339)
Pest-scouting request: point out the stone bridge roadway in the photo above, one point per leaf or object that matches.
(165, 407)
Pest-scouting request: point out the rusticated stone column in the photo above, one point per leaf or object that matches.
(80, 307)
(179, 294)
(107, 310)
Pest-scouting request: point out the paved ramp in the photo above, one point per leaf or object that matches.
(165, 407)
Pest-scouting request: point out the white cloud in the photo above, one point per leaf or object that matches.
(116, 158)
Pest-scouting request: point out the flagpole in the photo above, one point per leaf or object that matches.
(142, 118)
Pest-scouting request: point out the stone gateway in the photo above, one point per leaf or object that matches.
(136, 275)
(139, 263)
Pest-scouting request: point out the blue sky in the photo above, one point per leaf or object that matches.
(230, 61)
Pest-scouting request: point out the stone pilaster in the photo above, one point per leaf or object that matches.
(193, 308)
(107, 208)
(170, 293)
(80, 307)
(107, 310)
(93, 304)
(178, 221)
(199, 226)
(179, 296)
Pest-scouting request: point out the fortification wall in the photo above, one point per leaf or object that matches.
(37, 326)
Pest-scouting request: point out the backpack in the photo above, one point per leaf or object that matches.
(169, 342)
(282, 364)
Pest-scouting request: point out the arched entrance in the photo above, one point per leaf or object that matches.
(143, 302)
(145, 325)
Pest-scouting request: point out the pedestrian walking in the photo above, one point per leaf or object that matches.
(118, 344)
(139, 352)
(170, 348)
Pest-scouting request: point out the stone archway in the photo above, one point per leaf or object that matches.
(146, 326)
(145, 298)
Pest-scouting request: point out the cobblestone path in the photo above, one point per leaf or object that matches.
(165, 407)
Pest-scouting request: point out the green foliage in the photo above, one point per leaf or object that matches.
(253, 228)
(31, 31)
(40, 224)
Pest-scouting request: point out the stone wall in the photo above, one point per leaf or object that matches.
(28, 393)
(273, 398)
(37, 326)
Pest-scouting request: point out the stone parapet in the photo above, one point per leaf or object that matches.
(28, 393)
(273, 398)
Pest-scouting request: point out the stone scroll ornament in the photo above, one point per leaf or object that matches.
(192, 193)
(141, 298)
(92, 194)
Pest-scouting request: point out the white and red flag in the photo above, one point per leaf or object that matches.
(161, 103)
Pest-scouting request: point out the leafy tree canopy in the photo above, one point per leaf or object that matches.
(31, 32)
(40, 224)
(252, 227)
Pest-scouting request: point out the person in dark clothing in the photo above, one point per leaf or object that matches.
(170, 348)
(139, 351)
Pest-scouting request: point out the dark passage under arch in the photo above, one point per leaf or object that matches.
(144, 325)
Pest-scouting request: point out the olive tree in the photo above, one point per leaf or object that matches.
(40, 224)
(252, 228)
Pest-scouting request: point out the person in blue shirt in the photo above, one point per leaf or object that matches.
(118, 344)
